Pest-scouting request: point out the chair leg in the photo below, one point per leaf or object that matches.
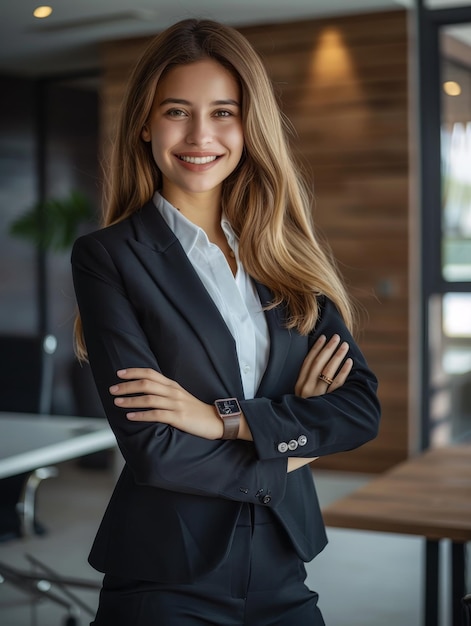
(27, 505)
(466, 605)
(44, 583)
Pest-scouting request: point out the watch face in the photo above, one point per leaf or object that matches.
(229, 406)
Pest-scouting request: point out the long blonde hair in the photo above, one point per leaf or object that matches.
(265, 198)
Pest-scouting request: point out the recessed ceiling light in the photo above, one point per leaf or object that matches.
(452, 88)
(41, 12)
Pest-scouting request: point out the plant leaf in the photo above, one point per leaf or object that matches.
(53, 224)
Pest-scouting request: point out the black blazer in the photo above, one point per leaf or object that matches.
(175, 506)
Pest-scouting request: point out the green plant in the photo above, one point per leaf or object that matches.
(53, 224)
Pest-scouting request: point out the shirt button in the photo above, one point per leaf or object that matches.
(302, 440)
(293, 444)
(282, 447)
(246, 369)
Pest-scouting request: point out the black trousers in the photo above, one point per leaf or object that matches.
(261, 583)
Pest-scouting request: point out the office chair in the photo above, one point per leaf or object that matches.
(26, 382)
(466, 602)
(42, 583)
(26, 377)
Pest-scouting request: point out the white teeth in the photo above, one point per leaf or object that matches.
(198, 160)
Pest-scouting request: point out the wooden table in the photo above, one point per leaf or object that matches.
(429, 496)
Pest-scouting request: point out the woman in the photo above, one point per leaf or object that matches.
(217, 331)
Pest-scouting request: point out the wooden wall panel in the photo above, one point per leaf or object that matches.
(343, 82)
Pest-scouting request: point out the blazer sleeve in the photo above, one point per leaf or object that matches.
(157, 454)
(334, 422)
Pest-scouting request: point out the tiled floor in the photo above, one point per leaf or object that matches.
(363, 579)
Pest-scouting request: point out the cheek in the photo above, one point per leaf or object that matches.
(157, 153)
(162, 141)
(236, 138)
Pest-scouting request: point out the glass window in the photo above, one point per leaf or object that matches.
(456, 163)
(449, 312)
(450, 360)
(457, 315)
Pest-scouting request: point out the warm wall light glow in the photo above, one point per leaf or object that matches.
(332, 71)
(331, 59)
(41, 12)
(452, 88)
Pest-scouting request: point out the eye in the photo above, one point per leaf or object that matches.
(223, 113)
(175, 113)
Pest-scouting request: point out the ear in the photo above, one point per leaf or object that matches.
(146, 134)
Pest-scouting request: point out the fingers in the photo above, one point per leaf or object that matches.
(147, 373)
(149, 396)
(147, 390)
(140, 380)
(146, 402)
(309, 363)
(326, 352)
(325, 368)
(341, 376)
(330, 368)
(163, 417)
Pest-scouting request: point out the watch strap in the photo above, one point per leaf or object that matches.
(231, 426)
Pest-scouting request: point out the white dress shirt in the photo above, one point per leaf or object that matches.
(235, 296)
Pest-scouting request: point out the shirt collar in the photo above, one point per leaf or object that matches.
(230, 235)
(186, 232)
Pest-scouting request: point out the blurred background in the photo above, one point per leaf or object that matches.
(379, 94)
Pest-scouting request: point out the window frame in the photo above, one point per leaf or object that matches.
(428, 23)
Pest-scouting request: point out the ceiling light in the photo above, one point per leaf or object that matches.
(452, 88)
(41, 12)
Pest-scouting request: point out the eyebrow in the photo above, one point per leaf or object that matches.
(188, 103)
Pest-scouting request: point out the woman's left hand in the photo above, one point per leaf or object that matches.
(325, 367)
(152, 397)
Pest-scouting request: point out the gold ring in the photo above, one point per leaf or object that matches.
(326, 379)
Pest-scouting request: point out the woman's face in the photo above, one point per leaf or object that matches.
(195, 128)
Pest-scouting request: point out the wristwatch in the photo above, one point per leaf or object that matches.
(229, 411)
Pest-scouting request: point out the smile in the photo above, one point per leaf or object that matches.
(197, 160)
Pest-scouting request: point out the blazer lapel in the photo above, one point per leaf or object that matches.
(161, 253)
(280, 342)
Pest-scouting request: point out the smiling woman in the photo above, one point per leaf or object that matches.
(195, 130)
(218, 332)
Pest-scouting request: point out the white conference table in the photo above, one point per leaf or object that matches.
(30, 441)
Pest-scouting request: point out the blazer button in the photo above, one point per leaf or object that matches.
(282, 447)
(265, 499)
(302, 440)
(293, 444)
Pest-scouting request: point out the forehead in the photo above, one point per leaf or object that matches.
(200, 77)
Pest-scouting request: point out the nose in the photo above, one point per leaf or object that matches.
(199, 131)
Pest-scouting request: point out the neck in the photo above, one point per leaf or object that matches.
(203, 209)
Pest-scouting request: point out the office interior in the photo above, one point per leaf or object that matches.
(379, 96)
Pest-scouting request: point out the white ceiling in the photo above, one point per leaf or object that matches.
(69, 39)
